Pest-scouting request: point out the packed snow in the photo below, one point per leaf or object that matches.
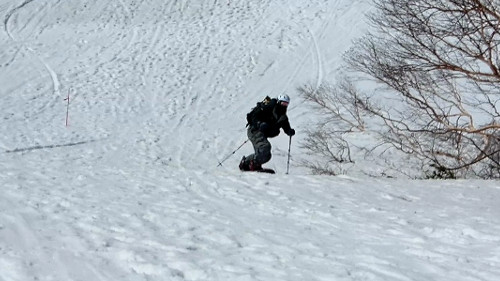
(132, 189)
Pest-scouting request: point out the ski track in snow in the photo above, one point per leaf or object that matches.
(8, 16)
(159, 90)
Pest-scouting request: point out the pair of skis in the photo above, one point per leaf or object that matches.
(264, 170)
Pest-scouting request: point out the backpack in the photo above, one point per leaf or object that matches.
(251, 116)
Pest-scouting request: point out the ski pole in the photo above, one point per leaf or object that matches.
(288, 162)
(227, 157)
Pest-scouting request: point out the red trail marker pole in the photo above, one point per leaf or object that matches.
(67, 108)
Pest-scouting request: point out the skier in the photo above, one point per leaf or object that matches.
(265, 121)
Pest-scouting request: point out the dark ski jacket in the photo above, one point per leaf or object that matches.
(269, 117)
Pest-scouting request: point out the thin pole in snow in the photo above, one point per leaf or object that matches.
(67, 108)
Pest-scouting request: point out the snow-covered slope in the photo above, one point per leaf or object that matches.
(130, 190)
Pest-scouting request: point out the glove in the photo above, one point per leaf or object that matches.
(291, 132)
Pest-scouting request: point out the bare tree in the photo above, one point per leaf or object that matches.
(440, 61)
(340, 114)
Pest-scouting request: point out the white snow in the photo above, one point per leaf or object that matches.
(130, 190)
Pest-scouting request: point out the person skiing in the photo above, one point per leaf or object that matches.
(265, 121)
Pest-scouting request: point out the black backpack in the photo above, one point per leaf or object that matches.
(251, 116)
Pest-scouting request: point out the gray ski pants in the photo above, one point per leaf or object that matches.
(261, 146)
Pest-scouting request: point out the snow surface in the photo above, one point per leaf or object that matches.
(130, 190)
